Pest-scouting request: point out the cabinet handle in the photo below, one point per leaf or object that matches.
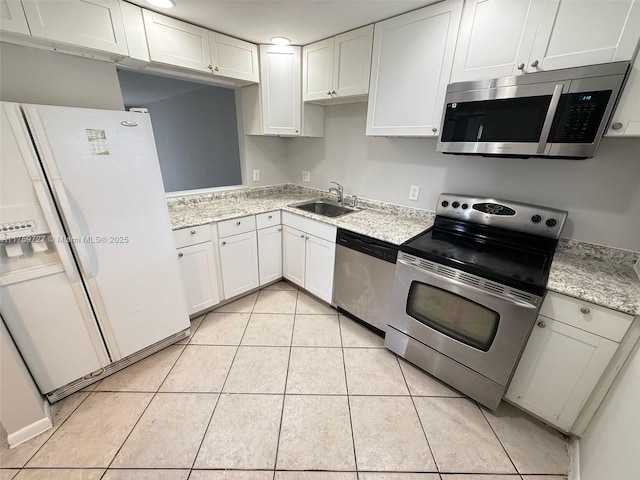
(270, 217)
(521, 66)
(180, 255)
(585, 310)
(434, 129)
(224, 243)
(333, 92)
(279, 229)
(329, 93)
(302, 236)
(210, 67)
(297, 131)
(616, 126)
(216, 69)
(306, 237)
(193, 232)
(535, 63)
(542, 324)
(238, 222)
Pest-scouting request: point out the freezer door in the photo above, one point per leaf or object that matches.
(42, 298)
(105, 177)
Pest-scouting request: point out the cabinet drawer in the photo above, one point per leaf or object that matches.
(307, 225)
(191, 236)
(268, 219)
(586, 316)
(236, 226)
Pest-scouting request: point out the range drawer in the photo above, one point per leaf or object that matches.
(601, 321)
(268, 219)
(192, 235)
(236, 226)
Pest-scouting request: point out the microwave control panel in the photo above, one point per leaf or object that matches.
(579, 116)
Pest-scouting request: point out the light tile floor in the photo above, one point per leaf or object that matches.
(278, 386)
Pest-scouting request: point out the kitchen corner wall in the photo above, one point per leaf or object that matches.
(602, 194)
(30, 75)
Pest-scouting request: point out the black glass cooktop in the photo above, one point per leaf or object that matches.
(516, 259)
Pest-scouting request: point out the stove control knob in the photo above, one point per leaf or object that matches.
(551, 222)
(465, 206)
(455, 204)
(445, 203)
(536, 219)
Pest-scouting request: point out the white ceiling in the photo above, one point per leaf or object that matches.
(302, 21)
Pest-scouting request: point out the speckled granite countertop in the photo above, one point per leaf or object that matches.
(596, 274)
(593, 273)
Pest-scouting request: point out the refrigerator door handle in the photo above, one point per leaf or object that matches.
(57, 233)
(75, 232)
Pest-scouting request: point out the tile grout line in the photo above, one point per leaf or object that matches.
(346, 383)
(424, 432)
(206, 430)
(498, 438)
(184, 347)
(284, 395)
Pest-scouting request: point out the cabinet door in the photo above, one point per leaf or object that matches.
(198, 271)
(352, 62)
(573, 33)
(410, 70)
(626, 118)
(177, 43)
(94, 24)
(12, 17)
(319, 266)
(270, 254)
(234, 58)
(495, 37)
(317, 70)
(293, 253)
(559, 368)
(280, 89)
(239, 262)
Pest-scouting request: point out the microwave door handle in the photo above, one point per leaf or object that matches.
(548, 121)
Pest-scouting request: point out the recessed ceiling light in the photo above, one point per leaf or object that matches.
(162, 3)
(280, 41)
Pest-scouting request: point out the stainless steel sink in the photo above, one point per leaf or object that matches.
(326, 208)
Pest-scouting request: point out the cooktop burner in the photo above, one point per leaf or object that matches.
(507, 242)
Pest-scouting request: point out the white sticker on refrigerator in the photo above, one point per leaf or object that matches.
(97, 142)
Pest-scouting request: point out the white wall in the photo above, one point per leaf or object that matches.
(609, 448)
(30, 75)
(602, 194)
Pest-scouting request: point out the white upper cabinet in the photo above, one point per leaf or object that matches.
(280, 89)
(410, 70)
(626, 118)
(177, 43)
(12, 17)
(92, 24)
(337, 68)
(505, 37)
(573, 33)
(234, 58)
(495, 36)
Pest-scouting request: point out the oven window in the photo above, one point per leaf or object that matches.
(453, 315)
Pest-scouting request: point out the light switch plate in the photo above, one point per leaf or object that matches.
(414, 192)
(256, 175)
(306, 176)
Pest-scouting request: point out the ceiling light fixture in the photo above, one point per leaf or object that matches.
(162, 3)
(280, 41)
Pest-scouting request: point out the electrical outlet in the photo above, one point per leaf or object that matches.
(414, 192)
(306, 176)
(256, 175)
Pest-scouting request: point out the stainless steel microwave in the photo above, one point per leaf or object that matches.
(558, 113)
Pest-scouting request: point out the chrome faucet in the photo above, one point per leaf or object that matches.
(339, 189)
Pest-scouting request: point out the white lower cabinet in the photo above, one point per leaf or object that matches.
(196, 258)
(270, 254)
(565, 358)
(239, 262)
(308, 254)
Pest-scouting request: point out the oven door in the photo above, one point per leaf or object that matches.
(482, 330)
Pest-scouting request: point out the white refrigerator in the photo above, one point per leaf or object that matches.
(89, 279)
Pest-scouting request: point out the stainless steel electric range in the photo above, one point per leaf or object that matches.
(466, 292)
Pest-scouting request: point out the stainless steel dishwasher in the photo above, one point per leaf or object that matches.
(364, 273)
